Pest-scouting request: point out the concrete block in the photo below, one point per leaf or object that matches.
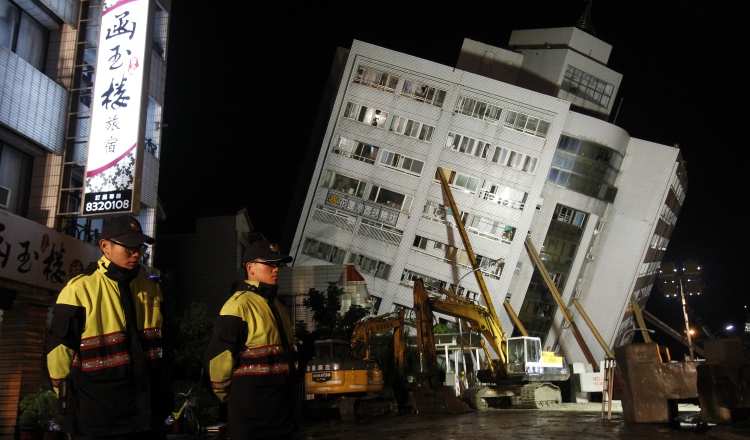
(711, 383)
(719, 350)
(680, 380)
(650, 386)
(578, 367)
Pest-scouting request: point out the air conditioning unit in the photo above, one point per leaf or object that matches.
(4, 197)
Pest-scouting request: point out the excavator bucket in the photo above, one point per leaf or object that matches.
(439, 400)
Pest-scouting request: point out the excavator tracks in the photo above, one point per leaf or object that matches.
(535, 395)
(371, 407)
(484, 397)
(350, 407)
(540, 395)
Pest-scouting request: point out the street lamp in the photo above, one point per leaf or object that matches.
(729, 327)
(491, 263)
(676, 279)
(622, 338)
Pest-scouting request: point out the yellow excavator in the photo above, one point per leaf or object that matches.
(521, 374)
(342, 376)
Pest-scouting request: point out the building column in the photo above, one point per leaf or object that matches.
(23, 330)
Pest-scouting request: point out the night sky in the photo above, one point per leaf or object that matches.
(244, 85)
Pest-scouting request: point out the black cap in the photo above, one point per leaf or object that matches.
(266, 251)
(126, 230)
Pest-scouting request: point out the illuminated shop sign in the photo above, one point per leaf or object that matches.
(118, 109)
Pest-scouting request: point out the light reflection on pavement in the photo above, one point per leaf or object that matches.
(570, 421)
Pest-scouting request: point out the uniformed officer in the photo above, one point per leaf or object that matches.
(251, 357)
(104, 344)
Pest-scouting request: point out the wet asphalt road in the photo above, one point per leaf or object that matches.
(571, 421)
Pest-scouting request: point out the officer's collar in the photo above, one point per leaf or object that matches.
(267, 291)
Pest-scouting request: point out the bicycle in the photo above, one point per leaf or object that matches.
(187, 416)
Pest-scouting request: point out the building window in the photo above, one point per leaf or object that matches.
(430, 283)
(344, 184)
(371, 266)
(488, 227)
(478, 109)
(460, 180)
(365, 115)
(569, 215)
(587, 86)
(585, 167)
(391, 199)
(412, 128)
(467, 145)
(323, 251)
(514, 159)
(23, 35)
(422, 92)
(161, 31)
(526, 124)
(393, 160)
(376, 78)
(420, 242)
(15, 180)
(354, 149)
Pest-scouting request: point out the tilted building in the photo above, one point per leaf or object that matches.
(524, 137)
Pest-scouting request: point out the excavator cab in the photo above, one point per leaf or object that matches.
(331, 348)
(528, 362)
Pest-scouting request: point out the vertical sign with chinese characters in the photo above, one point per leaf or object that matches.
(118, 108)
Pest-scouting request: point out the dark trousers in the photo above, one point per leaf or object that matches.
(260, 412)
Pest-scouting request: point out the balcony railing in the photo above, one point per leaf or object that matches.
(342, 221)
(380, 233)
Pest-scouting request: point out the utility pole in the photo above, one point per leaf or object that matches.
(679, 279)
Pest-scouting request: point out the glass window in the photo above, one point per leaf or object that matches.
(8, 21)
(23, 35)
(587, 86)
(397, 161)
(376, 78)
(461, 180)
(15, 176)
(344, 184)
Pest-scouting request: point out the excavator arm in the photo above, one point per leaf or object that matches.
(476, 316)
(363, 331)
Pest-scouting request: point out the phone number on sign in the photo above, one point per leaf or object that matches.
(107, 205)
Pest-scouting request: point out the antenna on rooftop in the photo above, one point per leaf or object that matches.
(584, 23)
